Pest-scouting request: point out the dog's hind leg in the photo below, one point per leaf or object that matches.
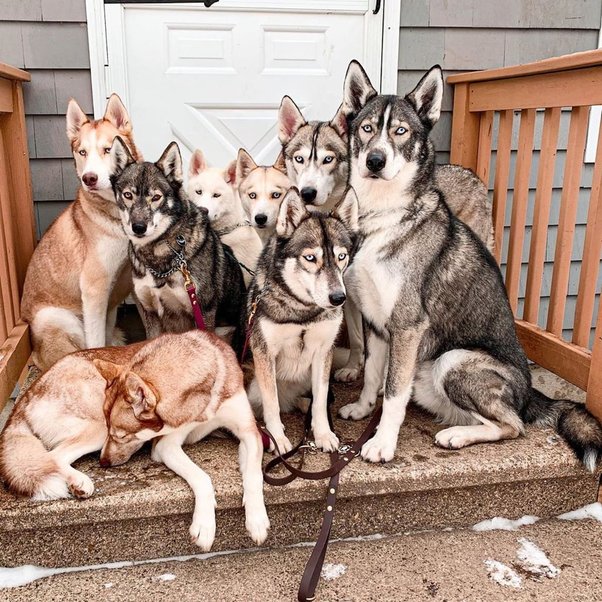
(353, 368)
(169, 451)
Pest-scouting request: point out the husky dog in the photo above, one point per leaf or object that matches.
(180, 388)
(80, 272)
(167, 233)
(294, 308)
(215, 190)
(58, 420)
(261, 190)
(432, 297)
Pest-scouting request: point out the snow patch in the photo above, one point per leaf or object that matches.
(333, 571)
(108, 585)
(590, 511)
(502, 574)
(504, 524)
(534, 560)
(166, 577)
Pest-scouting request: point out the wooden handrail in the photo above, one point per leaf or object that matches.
(10, 72)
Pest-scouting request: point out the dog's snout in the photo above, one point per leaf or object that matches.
(308, 194)
(376, 161)
(337, 298)
(90, 179)
(139, 228)
(104, 462)
(261, 219)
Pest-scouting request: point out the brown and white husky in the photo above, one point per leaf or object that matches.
(79, 272)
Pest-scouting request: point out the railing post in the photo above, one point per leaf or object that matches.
(465, 129)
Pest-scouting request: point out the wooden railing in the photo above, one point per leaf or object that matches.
(553, 86)
(17, 235)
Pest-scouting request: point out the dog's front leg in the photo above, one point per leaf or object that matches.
(152, 324)
(403, 351)
(95, 288)
(320, 372)
(265, 373)
(169, 451)
(353, 368)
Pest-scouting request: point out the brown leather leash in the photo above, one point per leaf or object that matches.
(338, 460)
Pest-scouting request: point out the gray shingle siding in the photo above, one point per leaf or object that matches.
(463, 35)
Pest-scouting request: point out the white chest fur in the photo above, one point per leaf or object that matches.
(172, 297)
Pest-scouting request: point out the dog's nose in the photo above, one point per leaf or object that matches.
(139, 228)
(105, 462)
(376, 161)
(261, 219)
(337, 298)
(308, 195)
(90, 179)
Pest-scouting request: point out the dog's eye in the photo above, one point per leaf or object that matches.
(400, 130)
(199, 192)
(342, 256)
(367, 128)
(328, 159)
(216, 195)
(299, 159)
(276, 195)
(128, 195)
(107, 150)
(252, 195)
(310, 258)
(156, 197)
(82, 152)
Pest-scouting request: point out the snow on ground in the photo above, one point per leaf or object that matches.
(504, 524)
(591, 511)
(333, 571)
(534, 560)
(502, 574)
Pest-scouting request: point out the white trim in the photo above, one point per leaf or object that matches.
(593, 129)
(97, 43)
(390, 51)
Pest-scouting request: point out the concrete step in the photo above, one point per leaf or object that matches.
(141, 510)
(429, 566)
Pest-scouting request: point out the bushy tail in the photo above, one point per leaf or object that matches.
(581, 429)
(26, 466)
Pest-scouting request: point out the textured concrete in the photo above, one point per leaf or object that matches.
(429, 566)
(142, 510)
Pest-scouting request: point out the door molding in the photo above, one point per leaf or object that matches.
(105, 80)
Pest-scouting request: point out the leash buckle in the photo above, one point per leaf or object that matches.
(310, 446)
(186, 273)
(347, 447)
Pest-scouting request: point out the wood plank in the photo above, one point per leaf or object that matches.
(10, 72)
(14, 354)
(520, 200)
(582, 87)
(589, 58)
(590, 263)
(541, 213)
(594, 384)
(564, 359)
(566, 223)
(484, 147)
(6, 96)
(465, 131)
(500, 183)
(7, 320)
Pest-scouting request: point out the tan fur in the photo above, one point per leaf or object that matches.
(59, 419)
(80, 268)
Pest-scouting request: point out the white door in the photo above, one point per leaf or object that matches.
(213, 78)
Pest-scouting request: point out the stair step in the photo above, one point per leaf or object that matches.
(416, 567)
(142, 510)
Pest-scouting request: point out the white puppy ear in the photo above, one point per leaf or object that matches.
(230, 173)
(244, 165)
(339, 123)
(170, 163)
(117, 114)
(357, 89)
(292, 211)
(75, 119)
(120, 156)
(427, 96)
(290, 119)
(280, 163)
(347, 210)
(197, 163)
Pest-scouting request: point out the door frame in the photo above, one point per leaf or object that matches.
(105, 80)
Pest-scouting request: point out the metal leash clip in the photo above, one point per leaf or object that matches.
(310, 446)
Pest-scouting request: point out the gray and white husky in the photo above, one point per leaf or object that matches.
(295, 306)
(432, 297)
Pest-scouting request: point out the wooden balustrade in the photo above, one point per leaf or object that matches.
(572, 82)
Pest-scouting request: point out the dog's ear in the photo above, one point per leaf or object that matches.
(75, 119)
(120, 156)
(347, 210)
(357, 89)
(108, 370)
(197, 163)
(290, 119)
(427, 96)
(170, 163)
(141, 397)
(230, 173)
(244, 165)
(117, 114)
(339, 123)
(292, 211)
(280, 163)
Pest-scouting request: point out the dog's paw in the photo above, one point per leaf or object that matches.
(80, 485)
(454, 437)
(202, 532)
(354, 411)
(379, 449)
(348, 374)
(257, 524)
(284, 445)
(327, 441)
